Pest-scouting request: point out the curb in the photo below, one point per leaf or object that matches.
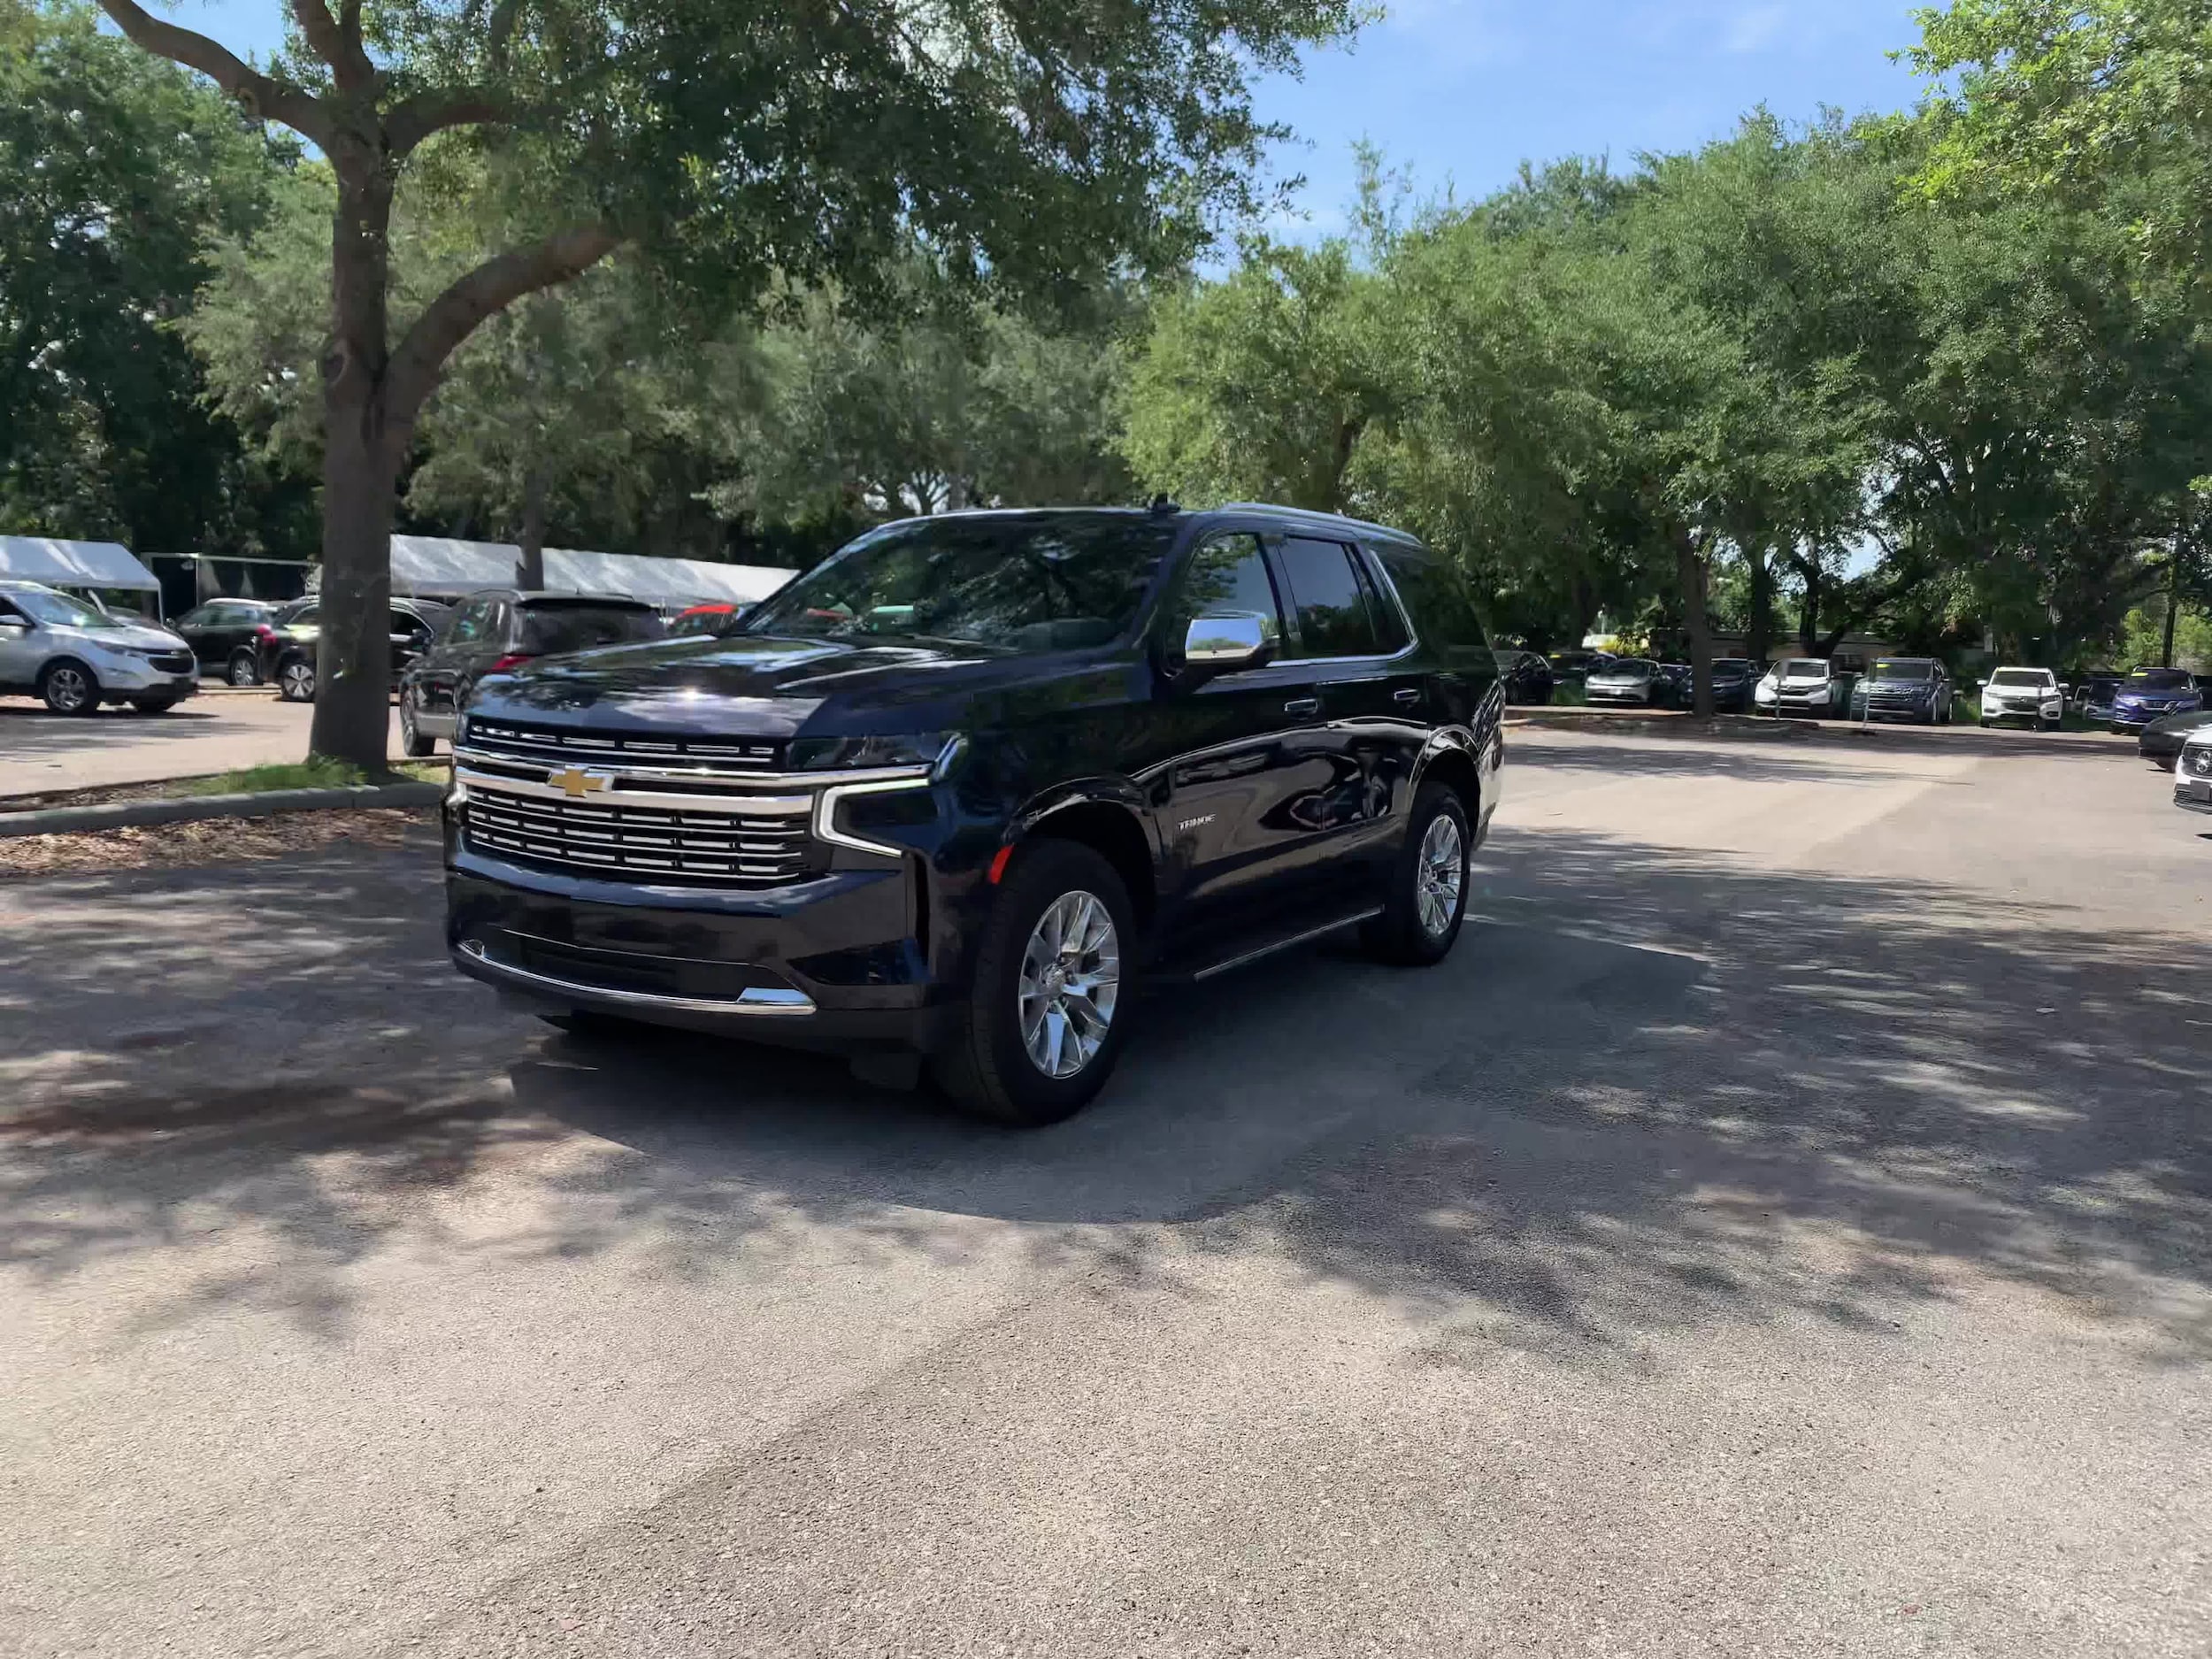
(266, 803)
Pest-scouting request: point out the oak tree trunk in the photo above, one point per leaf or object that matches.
(1759, 635)
(1692, 572)
(361, 459)
(530, 568)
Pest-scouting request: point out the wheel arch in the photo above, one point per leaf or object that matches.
(1111, 822)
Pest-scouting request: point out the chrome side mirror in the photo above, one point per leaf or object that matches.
(1227, 641)
(14, 625)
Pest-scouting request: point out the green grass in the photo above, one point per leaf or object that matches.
(315, 773)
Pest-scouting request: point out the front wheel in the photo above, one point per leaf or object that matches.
(296, 680)
(1053, 990)
(1426, 903)
(68, 687)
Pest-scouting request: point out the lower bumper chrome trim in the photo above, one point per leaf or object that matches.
(768, 1001)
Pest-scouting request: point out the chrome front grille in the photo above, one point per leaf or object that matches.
(555, 745)
(761, 844)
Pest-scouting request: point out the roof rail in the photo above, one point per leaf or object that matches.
(1313, 515)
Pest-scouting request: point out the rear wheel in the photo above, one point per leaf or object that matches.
(69, 687)
(1427, 899)
(296, 680)
(242, 670)
(413, 742)
(1054, 989)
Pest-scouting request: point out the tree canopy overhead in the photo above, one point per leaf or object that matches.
(1027, 145)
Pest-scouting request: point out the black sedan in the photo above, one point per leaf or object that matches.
(1527, 678)
(2162, 740)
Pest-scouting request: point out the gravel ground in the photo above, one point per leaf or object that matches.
(1783, 1227)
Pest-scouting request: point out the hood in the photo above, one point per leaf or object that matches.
(1625, 675)
(771, 686)
(1803, 679)
(138, 635)
(2195, 721)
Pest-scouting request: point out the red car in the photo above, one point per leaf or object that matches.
(710, 619)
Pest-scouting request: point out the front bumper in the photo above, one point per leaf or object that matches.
(2193, 794)
(832, 963)
(122, 677)
(1640, 695)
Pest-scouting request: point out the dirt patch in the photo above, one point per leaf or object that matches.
(206, 841)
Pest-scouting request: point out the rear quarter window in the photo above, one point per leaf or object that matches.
(1443, 616)
(555, 629)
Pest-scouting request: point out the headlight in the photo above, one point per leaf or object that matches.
(850, 753)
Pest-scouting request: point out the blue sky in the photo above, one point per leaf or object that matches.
(1461, 90)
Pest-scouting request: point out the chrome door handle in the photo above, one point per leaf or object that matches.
(1303, 705)
(1406, 698)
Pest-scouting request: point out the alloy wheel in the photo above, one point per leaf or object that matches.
(1070, 981)
(1440, 875)
(67, 688)
(299, 681)
(242, 672)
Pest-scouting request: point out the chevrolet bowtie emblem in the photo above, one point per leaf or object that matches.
(576, 783)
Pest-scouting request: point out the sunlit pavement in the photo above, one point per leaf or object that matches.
(1785, 1226)
(216, 731)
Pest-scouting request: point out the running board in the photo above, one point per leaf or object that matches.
(1305, 937)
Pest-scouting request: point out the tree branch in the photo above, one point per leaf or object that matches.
(419, 118)
(493, 286)
(339, 48)
(256, 92)
(501, 30)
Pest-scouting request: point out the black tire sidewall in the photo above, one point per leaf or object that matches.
(994, 1075)
(1399, 936)
(91, 704)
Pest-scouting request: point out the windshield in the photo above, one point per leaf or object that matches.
(59, 610)
(1732, 666)
(1804, 668)
(1028, 582)
(2021, 677)
(2158, 679)
(1904, 670)
(555, 629)
(1632, 666)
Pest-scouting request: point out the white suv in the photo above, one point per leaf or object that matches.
(2193, 772)
(76, 656)
(2024, 693)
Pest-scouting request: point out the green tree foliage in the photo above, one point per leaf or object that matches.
(1027, 147)
(116, 174)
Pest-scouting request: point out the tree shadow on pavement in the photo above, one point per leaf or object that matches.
(1650, 1090)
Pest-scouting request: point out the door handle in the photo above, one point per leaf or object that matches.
(1303, 705)
(1406, 698)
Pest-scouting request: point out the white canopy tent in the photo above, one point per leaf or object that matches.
(438, 567)
(77, 564)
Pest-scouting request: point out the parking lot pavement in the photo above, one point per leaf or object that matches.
(1784, 1226)
(216, 731)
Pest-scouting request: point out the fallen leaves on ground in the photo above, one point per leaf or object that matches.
(204, 841)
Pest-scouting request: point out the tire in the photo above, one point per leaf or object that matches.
(988, 1068)
(1421, 920)
(296, 680)
(412, 743)
(154, 705)
(243, 669)
(2049, 725)
(1987, 723)
(67, 687)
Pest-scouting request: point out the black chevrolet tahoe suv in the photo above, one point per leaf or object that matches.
(959, 791)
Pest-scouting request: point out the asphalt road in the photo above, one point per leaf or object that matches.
(216, 731)
(1784, 1227)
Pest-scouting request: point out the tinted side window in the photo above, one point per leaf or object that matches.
(468, 622)
(1390, 626)
(1227, 573)
(1431, 588)
(551, 630)
(1325, 593)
